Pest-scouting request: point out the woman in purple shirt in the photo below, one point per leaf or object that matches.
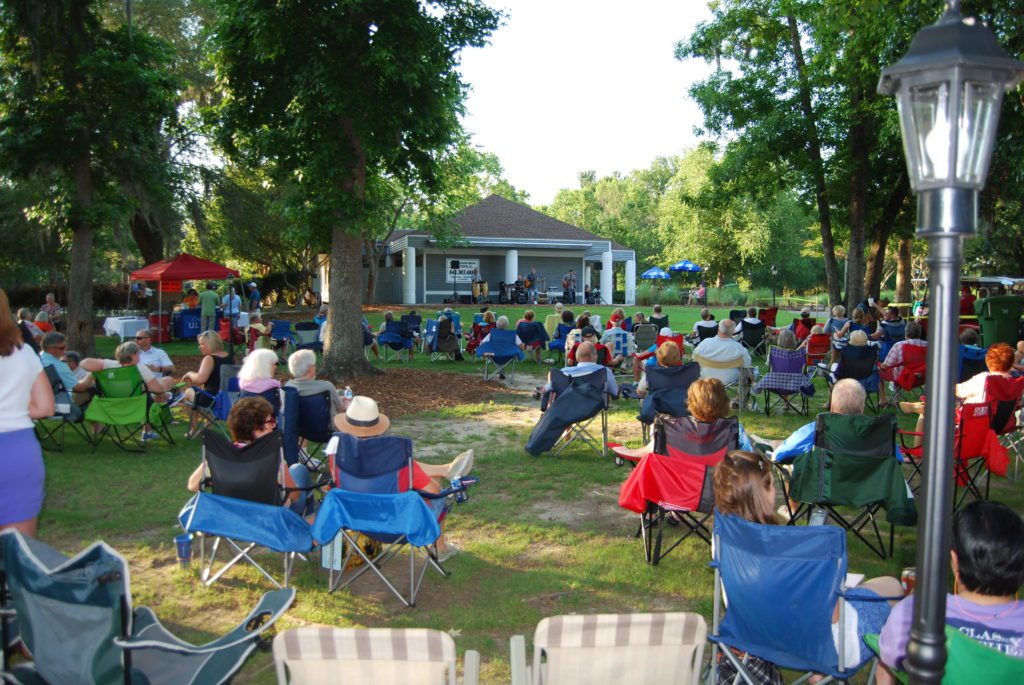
(988, 564)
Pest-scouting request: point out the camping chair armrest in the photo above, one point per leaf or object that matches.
(517, 649)
(455, 487)
(848, 593)
(271, 607)
(903, 434)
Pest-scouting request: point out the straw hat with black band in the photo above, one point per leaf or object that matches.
(362, 419)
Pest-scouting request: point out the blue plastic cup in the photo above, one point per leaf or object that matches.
(184, 544)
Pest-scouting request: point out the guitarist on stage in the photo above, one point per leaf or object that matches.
(569, 287)
(531, 285)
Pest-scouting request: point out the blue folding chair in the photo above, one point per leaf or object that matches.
(861, 364)
(666, 394)
(284, 340)
(500, 352)
(558, 342)
(971, 362)
(80, 625)
(368, 500)
(781, 576)
(892, 333)
(395, 340)
(534, 336)
(244, 507)
(307, 418)
(211, 410)
(307, 336)
(273, 395)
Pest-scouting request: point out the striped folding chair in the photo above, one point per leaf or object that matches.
(610, 649)
(413, 656)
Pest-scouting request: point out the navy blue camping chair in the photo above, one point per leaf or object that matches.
(557, 343)
(284, 340)
(892, 333)
(569, 409)
(307, 336)
(307, 418)
(861, 364)
(395, 341)
(368, 501)
(781, 576)
(273, 395)
(429, 337)
(971, 362)
(413, 323)
(81, 626)
(534, 336)
(243, 508)
(500, 352)
(666, 393)
(211, 410)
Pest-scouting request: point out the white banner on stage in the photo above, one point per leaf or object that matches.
(463, 274)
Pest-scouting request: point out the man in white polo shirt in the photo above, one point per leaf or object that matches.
(720, 357)
(153, 357)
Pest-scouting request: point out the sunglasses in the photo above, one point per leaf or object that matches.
(272, 420)
(142, 337)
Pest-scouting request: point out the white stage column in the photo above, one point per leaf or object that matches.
(585, 281)
(607, 277)
(511, 266)
(409, 276)
(630, 282)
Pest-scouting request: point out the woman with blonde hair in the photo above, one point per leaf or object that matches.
(25, 395)
(207, 376)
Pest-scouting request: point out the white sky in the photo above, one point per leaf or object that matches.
(571, 85)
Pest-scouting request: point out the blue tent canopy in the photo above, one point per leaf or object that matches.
(685, 265)
(655, 272)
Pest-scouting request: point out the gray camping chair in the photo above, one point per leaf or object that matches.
(77, 620)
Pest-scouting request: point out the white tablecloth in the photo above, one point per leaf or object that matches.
(243, 319)
(125, 326)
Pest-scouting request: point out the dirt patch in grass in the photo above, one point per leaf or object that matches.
(598, 509)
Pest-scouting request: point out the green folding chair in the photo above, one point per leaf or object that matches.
(853, 464)
(966, 659)
(123, 407)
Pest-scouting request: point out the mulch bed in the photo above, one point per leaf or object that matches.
(399, 391)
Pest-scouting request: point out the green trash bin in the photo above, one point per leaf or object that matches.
(999, 318)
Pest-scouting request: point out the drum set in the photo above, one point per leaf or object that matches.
(513, 293)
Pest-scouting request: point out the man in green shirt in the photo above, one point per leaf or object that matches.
(208, 308)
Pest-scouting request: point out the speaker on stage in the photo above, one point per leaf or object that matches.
(598, 266)
(465, 299)
(455, 264)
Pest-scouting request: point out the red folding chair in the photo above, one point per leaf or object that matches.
(767, 316)
(911, 372)
(1006, 398)
(818, 346)
(977, 453)
(675, 480)
(802, 327)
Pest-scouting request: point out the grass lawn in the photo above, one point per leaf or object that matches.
(541, 535)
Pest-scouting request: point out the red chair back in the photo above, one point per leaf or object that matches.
(818, 346)
(802, 327)
(975, 438)
(677, 339)
(912, 369)
(767, 316)
(1005, 397)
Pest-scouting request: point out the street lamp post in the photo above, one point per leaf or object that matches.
(775, 272)
(949, 88)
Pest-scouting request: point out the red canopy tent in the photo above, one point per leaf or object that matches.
(169, 273)
(181, 268)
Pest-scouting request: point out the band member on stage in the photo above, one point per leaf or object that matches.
(531, 285)
(569, 287)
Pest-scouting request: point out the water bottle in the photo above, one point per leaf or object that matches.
(818, 516)
(348, 394)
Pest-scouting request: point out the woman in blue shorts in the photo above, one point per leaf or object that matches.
(25, 395)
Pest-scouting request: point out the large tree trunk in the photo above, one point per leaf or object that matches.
(858, 203)
(79, 314)
(343, 342)
(148, 237)
(904, 273)
(882, 230)
(817, 166)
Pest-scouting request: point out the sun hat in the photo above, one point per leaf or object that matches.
(588, 331)
(558, 306)
(666, 331)
(362, 418)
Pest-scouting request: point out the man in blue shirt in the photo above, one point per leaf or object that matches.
(54, 345)
(586, 362)
(232, 304)
(254, 298)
